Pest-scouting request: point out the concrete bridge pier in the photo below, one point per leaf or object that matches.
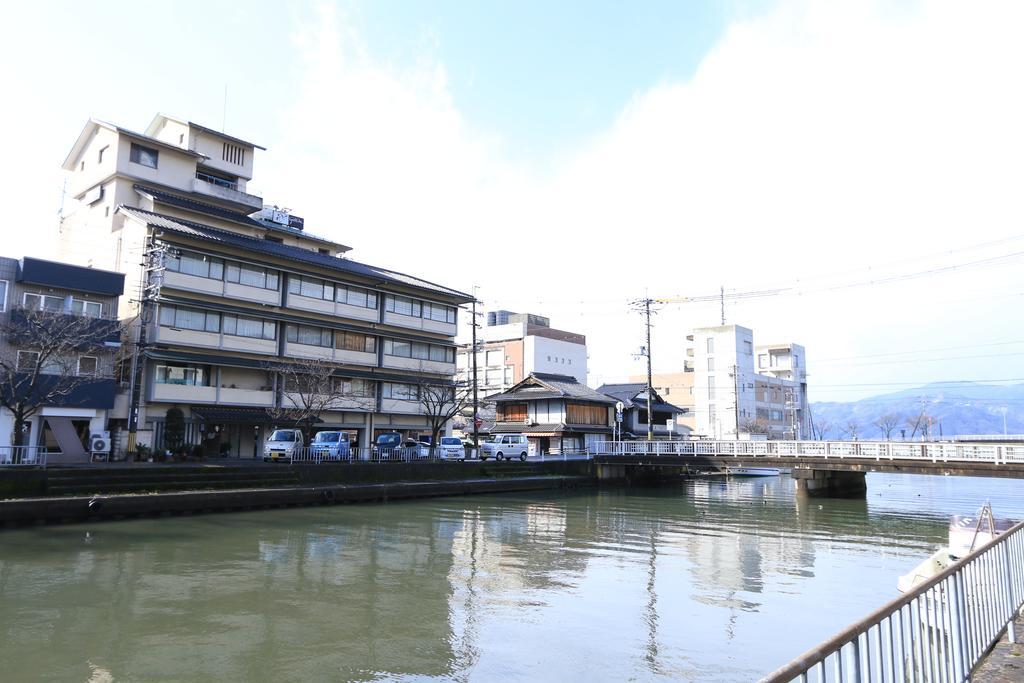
(829, 483)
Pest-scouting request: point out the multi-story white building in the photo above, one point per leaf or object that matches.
(740, 388)
(232, 290)
(512, 346)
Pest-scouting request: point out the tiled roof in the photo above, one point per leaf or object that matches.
(222, 213)
(283, 251)
(627, 393)
(547, 429)
(539, 386)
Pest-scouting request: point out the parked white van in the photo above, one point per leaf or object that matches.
(505, 446)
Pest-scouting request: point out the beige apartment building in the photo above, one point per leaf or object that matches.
(229, 289)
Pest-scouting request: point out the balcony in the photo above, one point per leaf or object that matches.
(212, 340)
(245, 397)
(213, 186)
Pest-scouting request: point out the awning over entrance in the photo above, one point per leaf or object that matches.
(231, 415)
(67, 438)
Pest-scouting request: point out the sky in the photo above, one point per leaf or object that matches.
(569, 158)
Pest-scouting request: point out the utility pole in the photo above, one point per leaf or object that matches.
(476, 400)
(152, 282)
(650, 391)
(736, 399)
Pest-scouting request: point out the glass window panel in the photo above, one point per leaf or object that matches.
(217, 269)
(369, 344)
(253, 277)
(53, 303)
(312, 288)
(230, 324)
(234, 272)
(32, 302)
(212, 322)
(371, 300)
(437, 353)
(400, 348)
(269, 330)
(271, 280)
(421, 351)
(167, 315)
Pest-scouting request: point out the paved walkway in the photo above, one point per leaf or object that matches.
(1005, 663)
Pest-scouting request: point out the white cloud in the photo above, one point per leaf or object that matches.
(819, 138)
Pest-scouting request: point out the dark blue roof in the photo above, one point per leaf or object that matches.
(66, 276)
(193, 230)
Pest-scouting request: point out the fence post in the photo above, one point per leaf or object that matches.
(1009, 591)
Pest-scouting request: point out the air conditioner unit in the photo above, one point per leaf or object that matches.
(99, 442)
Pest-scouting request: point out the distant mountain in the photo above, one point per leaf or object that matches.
(961, 408)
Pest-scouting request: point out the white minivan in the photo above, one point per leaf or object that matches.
(505, 446)
(451, 448)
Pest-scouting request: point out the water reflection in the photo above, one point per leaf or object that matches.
(714, 580)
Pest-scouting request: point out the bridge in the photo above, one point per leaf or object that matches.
(821, 468)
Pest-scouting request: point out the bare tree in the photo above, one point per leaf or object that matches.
(851, 429)
(440, 403)
(822, 429)
(306, 388)
(752, 426)
(887, 424)
(44, 361)
(917, 422)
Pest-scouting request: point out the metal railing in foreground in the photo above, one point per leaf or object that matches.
(937, 632)
(930, 451)
(33, 456)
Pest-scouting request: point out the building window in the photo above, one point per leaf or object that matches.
(3, 296)
(711, 386)
(401, 392)
(88, 365)
(252, 276)
(254, 328)
(711, 364)
(89, 309)
(42, 302)
(355, 296)
(357, 388)
(494, 357)
(748, 347)
(311, 287)
(309, 335)
(188, 375)
(586, 414)
(492, 378)
(27, 360)
(403, 305)
(189, 319)
(762, 360)
(99, 156)
(418, 350)
(512, 412)
(200, 265)
(144, 156)
(353, 341)
(711, 344)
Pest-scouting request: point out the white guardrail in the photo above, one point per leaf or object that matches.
(408, 454)
(30, 456)
(938, 632)
(998, 453)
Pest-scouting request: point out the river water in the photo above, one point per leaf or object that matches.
(711, 580)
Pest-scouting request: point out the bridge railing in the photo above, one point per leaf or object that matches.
(874, 450)
(937, 632)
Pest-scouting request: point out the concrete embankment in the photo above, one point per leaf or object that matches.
(113, 493)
